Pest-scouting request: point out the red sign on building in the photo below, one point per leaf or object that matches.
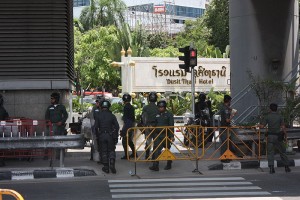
(159, 9)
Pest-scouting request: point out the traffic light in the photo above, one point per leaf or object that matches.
(185, 58)
(193, 57)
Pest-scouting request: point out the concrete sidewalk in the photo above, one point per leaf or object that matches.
(77, 163)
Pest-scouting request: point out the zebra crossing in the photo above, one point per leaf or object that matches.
(184, 187)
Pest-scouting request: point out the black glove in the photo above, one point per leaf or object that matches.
(116, 141)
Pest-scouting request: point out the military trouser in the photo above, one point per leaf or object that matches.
(159, 144)
(223, 134)
(107, 147)
(58, 130)
(130, 143)
(149, 135)
(272, 145)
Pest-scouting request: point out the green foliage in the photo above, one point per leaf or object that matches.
(102, 13)
(92, 62)
(78, 107)
(216, 19)
(167, 52)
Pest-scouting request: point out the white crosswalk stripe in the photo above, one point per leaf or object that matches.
(184, 187)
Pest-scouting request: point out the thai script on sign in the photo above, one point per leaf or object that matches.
(200, 72)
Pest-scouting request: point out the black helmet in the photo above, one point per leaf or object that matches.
(56, 96)
(126, 97)
(162, 103)
(152, 97)
(100, 98)
(202, 97)
(105, 104)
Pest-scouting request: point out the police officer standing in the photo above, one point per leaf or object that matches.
(57, 115)
(129, 120)
(107, 128)
(164, 118)
(3, 116)
(94, 114)
(275, 137)
(149, 120)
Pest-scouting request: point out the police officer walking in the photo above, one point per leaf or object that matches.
(107, 128)
(164, 118)
(129, 120)
(149, 120)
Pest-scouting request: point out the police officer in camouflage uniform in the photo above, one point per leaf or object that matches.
(164, 118)
(129, 120)
(275, 137)
(149, 120)
(3, 116)
(107, 128)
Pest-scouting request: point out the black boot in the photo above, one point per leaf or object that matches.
(112, 166)
(154, 167)
(287, 169)
(105, 168)
(169, 165)
(272, 170)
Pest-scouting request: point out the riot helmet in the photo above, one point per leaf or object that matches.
(152, 97)
(162, 103)
(126, 97)
(56, 96)
(202, 97)
(105, 104)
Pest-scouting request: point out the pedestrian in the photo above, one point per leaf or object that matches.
(148, 119)
(129, 120)
(276, 135)
(3, 116)
(107, 128)
(162, 137)
(57, 114)
(226, 117)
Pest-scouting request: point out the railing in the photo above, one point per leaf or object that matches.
(9, 192)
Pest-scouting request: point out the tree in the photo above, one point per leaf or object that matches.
(216, 19)
(92, 62)
(102, 13)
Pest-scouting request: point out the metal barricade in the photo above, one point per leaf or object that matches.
(9, 192)
(19, 130)
(191, 143)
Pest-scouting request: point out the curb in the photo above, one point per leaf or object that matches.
(237, 165)
(36, 174)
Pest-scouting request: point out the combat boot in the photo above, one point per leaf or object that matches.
(287, 169)
(112, 166)
(154, 167)
(272, 170)
(169, 165)
(105, 168)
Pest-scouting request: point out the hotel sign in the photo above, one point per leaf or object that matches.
(163, 74)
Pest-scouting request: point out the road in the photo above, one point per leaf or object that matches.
(253, 185)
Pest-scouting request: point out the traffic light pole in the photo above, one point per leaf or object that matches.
(193, 90)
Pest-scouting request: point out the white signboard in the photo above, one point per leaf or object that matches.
(163, 74)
